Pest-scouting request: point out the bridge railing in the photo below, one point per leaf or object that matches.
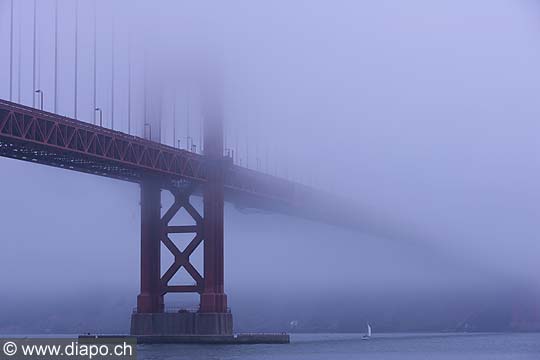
(59, 141)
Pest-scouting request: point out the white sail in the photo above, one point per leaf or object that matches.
(368, 330)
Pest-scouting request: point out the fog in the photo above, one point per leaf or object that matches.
(424, 114)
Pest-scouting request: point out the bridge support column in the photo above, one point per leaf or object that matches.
(213, 318)
(150, 300)
(213, 298)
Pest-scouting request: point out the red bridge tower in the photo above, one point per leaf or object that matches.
(213, 316)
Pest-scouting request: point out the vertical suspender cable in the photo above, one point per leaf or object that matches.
(76, 55)
(112, 71)
(129, 84)
(19, 56)
(174, 120)
(11, 55)
(95, 61)
(34, 59)
(56, 56)
(188, 145)
(145, 93)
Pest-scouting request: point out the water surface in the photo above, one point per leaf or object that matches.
(351, 346)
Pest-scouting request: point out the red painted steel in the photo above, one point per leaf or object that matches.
(213, 298)
(42, 137)
(181, 258)
(38, 136)
(150, 300)
(155, 229)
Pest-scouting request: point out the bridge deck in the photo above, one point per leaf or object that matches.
(41, 137)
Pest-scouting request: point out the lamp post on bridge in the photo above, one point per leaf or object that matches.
(100, 116)
(40, 92)
(149, 127)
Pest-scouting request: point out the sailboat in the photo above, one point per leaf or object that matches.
(368, 335)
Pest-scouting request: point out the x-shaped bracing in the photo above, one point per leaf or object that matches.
(181, 258)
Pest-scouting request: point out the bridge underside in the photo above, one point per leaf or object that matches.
(44, 155)
(49, 139)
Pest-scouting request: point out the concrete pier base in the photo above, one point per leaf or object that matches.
(181, 323)
(237, 339)
(192, 328)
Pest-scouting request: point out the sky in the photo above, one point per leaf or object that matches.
(423, 113)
